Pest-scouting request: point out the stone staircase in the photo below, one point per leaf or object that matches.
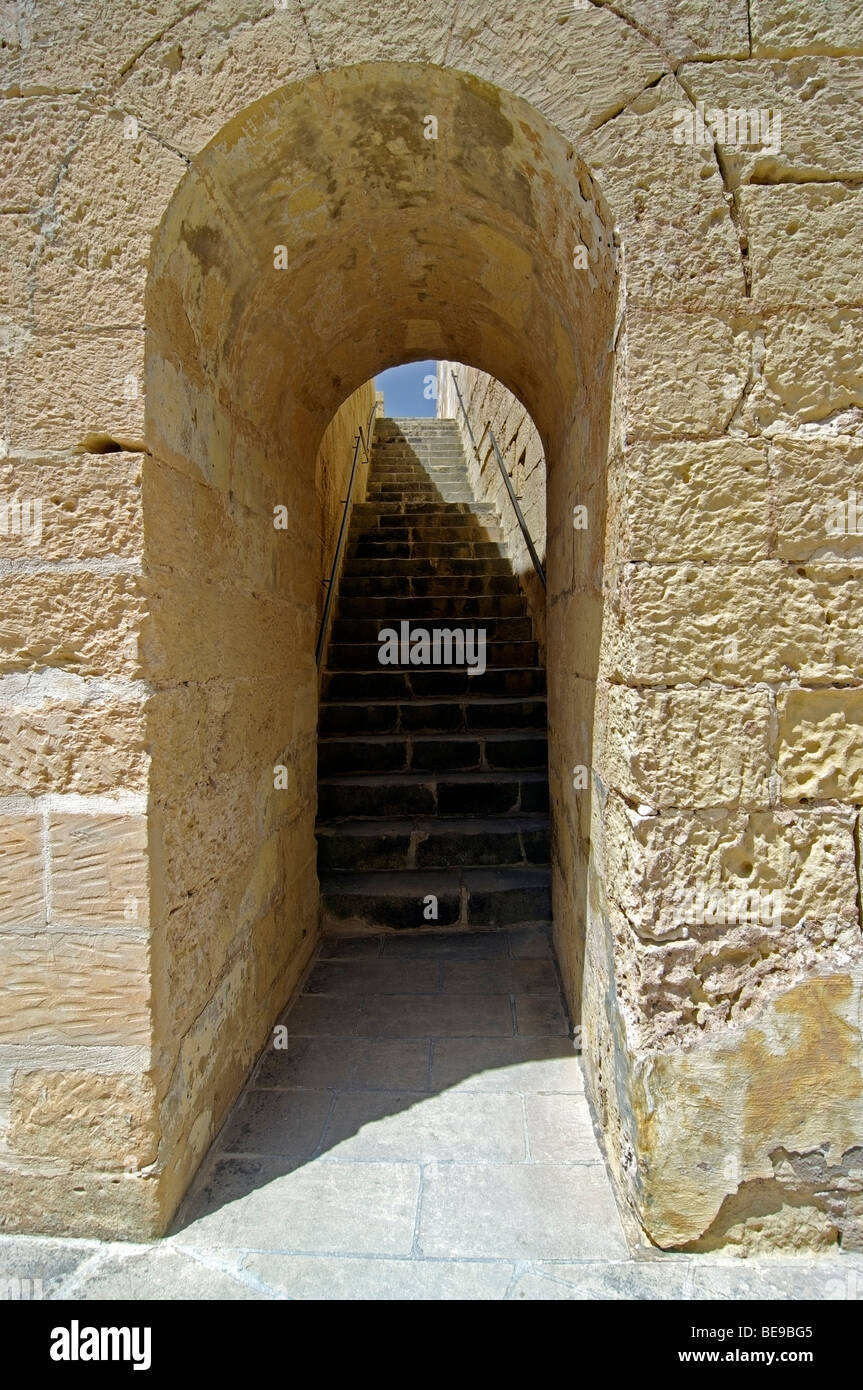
(432, 782)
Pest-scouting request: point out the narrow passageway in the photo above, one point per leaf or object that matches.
(433, 762)
(422, 1101)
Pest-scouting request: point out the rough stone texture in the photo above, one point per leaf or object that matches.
(693, 748)
(90, 506)
(820, 754)
(102, 1119)
(799, 239)
(783, 27)
(688, 255)
(818, 101)
(686, 374)
(696, 384)
(63, 733)
(814, 480)
(98, 870)
(693, 501)
(678, 623)
(80, 987)
(22, 888)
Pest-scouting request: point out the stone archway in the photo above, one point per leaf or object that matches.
(333, 229)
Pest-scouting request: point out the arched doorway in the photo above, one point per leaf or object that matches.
(337, 227)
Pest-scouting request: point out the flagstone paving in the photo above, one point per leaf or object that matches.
(424, 1135)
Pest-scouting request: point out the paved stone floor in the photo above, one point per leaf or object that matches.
(424, 1135)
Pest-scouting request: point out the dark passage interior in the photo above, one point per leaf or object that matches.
(433, 764)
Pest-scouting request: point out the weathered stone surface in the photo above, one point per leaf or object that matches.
(64, 388)
(81, 1117)
(60, 733)
(38, 136)
(783, 27)
(211, 64)
(818, 102)
(694, 501)
(681, 976)
(594, 62)
(767, 1162)
(692, 28)
(92, 264)
(79, 1201)
(678, 623)
(684, 249)
(86, 620)
(90, 988)
(89, 505)
(820, 753)
(807, 372)
(99, 870)
(19, 233)
(22, 885)
(694, 748)
(816, 484)
(687, 373)
(55, 49)
(795, 237)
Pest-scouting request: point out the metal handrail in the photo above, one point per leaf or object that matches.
(537, 563)
(331, 582)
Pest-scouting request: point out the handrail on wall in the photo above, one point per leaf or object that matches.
(537, 563)
(331, 582)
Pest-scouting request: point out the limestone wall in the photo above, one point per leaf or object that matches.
(488, 403)
(702, 631)
(231, 649)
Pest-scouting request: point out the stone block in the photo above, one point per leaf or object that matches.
(693, 748)
(692, 501)
(83, 1117)
(687, 373)
(820, 754)
(99, 870)
(795, 235)
(88, 988)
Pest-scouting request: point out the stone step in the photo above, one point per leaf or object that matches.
(352, 656)
(502, 898)
(445, 495)
(415, 460)
(428, 476)
(378, 586)
(416, 466)
(435, 608)
(365, 629)
(377, 795)
(434, 481)
(503, 751)
(430, 716)
(417, 470)
(426, 842)
(397, 513)
(418, 439)
(425, 550)
(403, 683)
(438, 535)
(484, 565)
